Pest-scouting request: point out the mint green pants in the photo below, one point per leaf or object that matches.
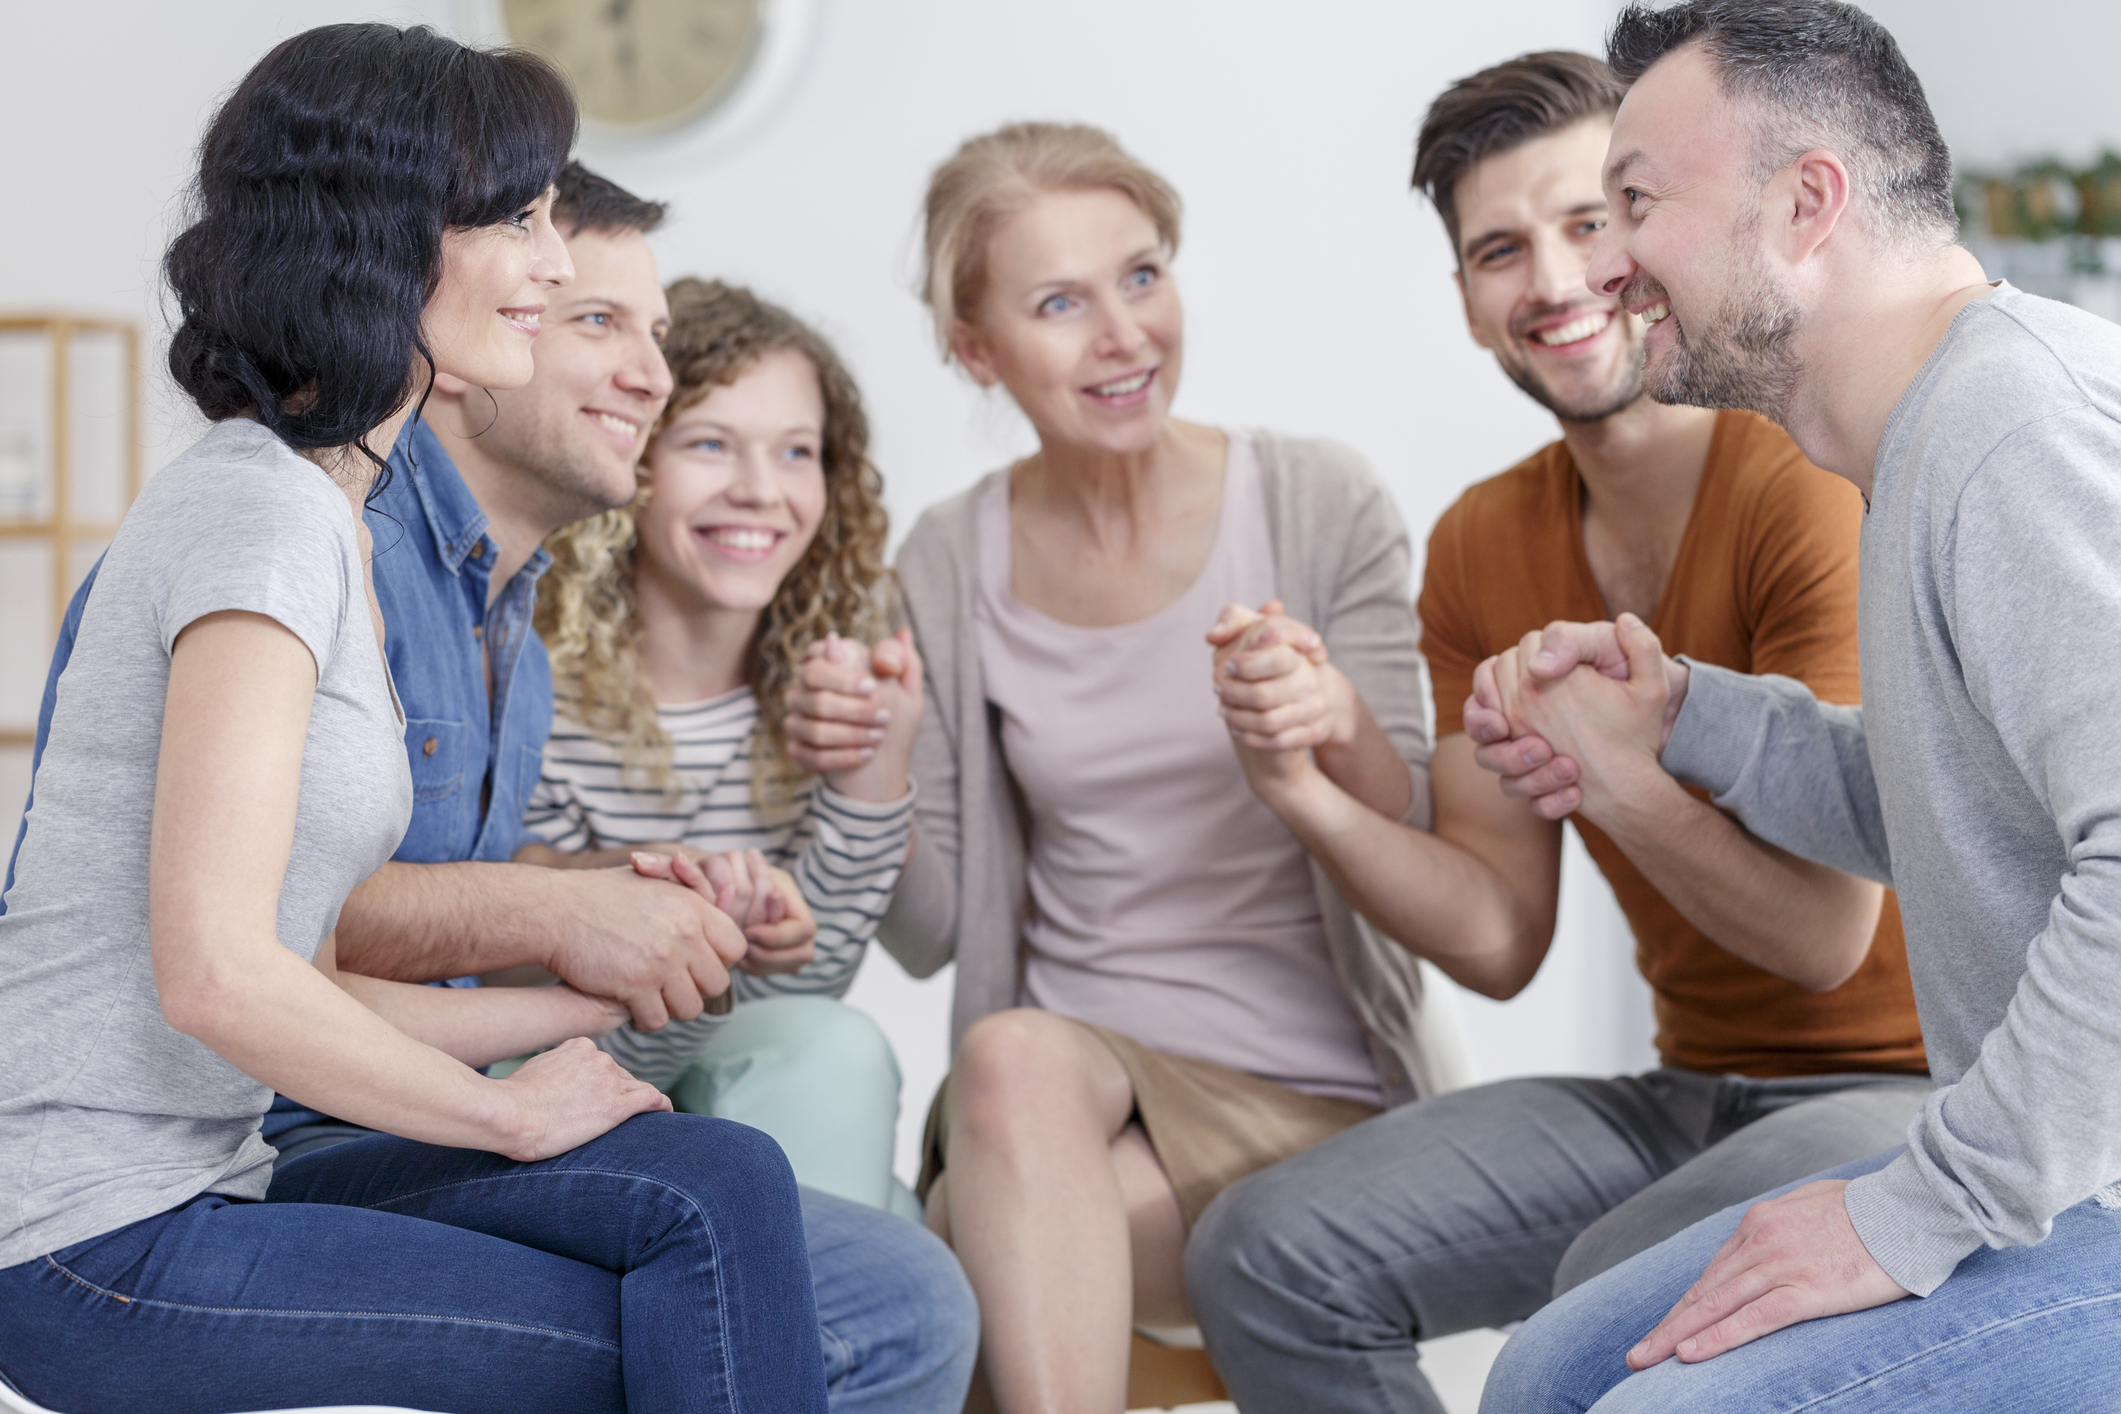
(818, 1076)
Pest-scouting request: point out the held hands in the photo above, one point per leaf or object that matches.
(660, 951)
(853, 714)
(1573, 716)
(761, 900)
(569, 1095)
(1793, 1258)
(1277, 693)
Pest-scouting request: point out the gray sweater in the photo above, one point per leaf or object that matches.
(1982, 776)
(1342, 563)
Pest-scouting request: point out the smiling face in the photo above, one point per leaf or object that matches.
(1528, 219)
(576, 429)
(495, 286)
(736, 488)
(1685, 245)
(1080, 321)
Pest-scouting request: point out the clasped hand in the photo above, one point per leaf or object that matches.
(763, 901)
(1277, 692)
(853, 714)
(1573, 715)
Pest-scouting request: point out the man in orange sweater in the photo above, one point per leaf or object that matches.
(1785, 1018)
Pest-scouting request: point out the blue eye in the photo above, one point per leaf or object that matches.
(602, 320)
(1053, 304)
(1141, 277)
(708, 444)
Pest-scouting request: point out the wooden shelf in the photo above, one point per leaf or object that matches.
(59, 528)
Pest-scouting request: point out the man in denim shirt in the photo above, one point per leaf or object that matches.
(476, 484)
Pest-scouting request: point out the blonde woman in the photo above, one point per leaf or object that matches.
(676, 627)
(1157, 992)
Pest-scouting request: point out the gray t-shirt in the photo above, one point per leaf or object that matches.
(107, 1115)
(1982, 776)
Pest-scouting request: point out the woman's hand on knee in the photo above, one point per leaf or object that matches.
(567, 1096)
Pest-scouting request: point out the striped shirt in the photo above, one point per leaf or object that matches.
(844, 854)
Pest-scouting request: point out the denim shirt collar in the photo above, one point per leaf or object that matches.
(454, 516)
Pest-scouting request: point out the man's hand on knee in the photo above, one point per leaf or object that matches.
(1793, 1258)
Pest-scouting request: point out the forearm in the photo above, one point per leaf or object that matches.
(1367, 766)
(429, 922)
(481, 1025)
(544, 856)
(1434, 897)
(1797, 771)
(286, 1025)
(852, 855)
(1801, 921)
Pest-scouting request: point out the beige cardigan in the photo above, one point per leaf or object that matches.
(1342, 564)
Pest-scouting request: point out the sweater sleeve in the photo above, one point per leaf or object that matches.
(2033, 1125)
(847, 861)
(919, 929)
(1796, 771)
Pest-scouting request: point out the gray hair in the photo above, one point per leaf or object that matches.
(1826, 75)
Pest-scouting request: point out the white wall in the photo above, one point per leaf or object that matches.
(1317, 286)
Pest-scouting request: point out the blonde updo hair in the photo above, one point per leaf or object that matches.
(996, 175)
(585, 606)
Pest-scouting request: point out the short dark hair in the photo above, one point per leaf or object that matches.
(585, 201)
(1505, 107)
(1830, 76)
(326, 183)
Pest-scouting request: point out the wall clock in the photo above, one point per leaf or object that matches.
(651, 69)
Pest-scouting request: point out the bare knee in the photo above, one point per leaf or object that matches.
(1021, 1068)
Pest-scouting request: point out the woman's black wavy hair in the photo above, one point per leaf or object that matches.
(326, 182)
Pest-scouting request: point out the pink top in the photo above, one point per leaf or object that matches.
(1167, 903)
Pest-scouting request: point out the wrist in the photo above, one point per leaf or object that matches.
(1342, 727)
(1628, 791)
(508, 1122)
(875, 782)
(1292, 786)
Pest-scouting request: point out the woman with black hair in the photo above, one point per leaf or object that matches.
(225, 763)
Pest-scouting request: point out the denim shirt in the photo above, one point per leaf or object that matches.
(474, 763)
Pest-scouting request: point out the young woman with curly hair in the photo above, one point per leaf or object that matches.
(677, 626)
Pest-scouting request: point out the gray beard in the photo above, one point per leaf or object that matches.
(1741, 359)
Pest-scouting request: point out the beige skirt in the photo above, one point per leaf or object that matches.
(1209, 1125)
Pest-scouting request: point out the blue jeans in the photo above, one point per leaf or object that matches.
(659, 1267)
(2020, 1329)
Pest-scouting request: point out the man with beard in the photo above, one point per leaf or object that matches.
(477, 482)
(1786, 1022)
(1783, 209)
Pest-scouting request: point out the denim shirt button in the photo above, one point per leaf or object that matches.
(427, 747)
(478, 633)
(478, 551)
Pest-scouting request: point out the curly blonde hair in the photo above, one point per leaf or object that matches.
(585, 609)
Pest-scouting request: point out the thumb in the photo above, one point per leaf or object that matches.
(1232, 621)
(1645, 654)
